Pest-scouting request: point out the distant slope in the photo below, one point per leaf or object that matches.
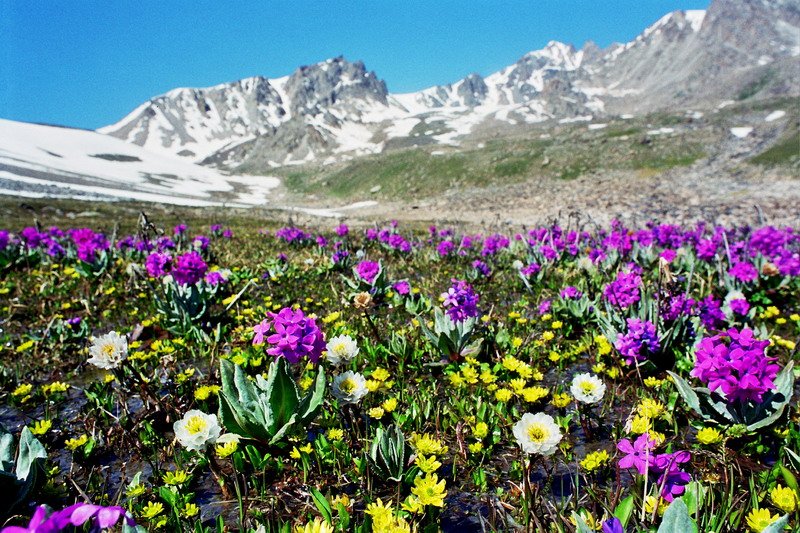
(38, 160)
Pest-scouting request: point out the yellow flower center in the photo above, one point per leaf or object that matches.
(108, 350)
(587, 387)
(537, 433)
(195, 425)
(348, 386)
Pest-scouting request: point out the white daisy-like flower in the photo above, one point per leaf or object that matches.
(196, 430)
(537, 433)
(109, 350)
(585, 263)
(349, 387)
(587, 388)
(341, 350)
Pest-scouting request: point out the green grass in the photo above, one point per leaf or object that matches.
(785, 152)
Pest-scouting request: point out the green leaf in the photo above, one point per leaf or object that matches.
(282, 395)
(693, 497)
(624, 510)
(31, 452)
(777, 526)
(776, 402)
(677, 520)
(6, 450)
(322, 504)
(313, 400)
(687, 393)
(790, 479)
(580, 523)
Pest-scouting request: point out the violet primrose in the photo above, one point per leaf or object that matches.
(295, 335)
(638, 342)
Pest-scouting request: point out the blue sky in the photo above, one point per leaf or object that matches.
(88, 63)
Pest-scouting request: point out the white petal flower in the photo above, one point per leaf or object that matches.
(349, 387)
(109, 350)
(196, 430)
(587, 388)
(341, 350)
(537, 433)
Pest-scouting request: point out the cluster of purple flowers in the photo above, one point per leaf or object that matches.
(185, 269)
(494, 243)
(530, 270)
(638, 342)
(45, 521)
(368, 271)
(743, 271)
(460, 301)
(482, 268)
(292, 235)
(710, 311)
(639, 455)
(624, 291)
(294, 335)
(735, 362)
(571, 293)
(88, 244)
(4, 240)
(672, 307)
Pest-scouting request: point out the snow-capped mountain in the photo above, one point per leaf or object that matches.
(335, 110)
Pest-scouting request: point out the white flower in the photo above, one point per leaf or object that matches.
(349, 387)
(109, 350)
(585, 263)
(341, 349)
(196, 430)
(537, 433)
(587, 388)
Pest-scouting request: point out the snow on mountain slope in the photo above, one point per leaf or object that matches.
(78, 163)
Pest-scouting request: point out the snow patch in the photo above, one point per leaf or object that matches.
(741, 132)
(775, 115)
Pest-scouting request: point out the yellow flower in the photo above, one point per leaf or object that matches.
(56, 386)
(758, 519)
(226, 448)
(650, 504)
(203, 393)
(135, 490)
(595, 460)
(480, 430)
(475, 447)
(22, 390)
(108, 378)
(27, 345)
(376, 412)
(503, 395)
(516, 342)
(335, 434)
(557, 324)
(381, 514)
(470, 374)
(306, 382)
(511, 363)
(381, 374)
(178, 477)
(640, 424)
(456, 380)
(152, 509)
(317, 526)
(784, 499)
(561, 400)
(427, 445)
(653, 382)
(190, 510)
(487, 377)
(389, 405)
(372, 385)
(517, 385)
(548, 336)
(534, 394)
(74, 444)
(429, 490)
(709, 436)
(427, 464)
(40, 427)
(650, 408)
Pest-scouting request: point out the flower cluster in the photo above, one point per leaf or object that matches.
(735, 363)
(638, 342)
(639, 455)
(624, 291)
(45, 521)
(460, 301)
(368, 271)
(189, 268)
(295, 335)
(88, 244)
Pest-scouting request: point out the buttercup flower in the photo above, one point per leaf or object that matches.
(587, 388)
(537, 433)
(109, 350)
(196, 430)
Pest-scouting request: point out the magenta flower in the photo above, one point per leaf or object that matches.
(189, 268)
(640, 341)
(743, 271)
(157, 264)
(368, 271)
(294, 335)
(735, 363)
(624, 290)
(460, 301)
(74, 515)
(639, 454)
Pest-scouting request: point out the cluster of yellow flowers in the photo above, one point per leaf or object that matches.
(647, 412)
(595, 460)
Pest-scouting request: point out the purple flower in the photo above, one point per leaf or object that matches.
(342, 230)
(613, 525)
(743, 271)
(74, 515)
(544, 307)
(322, 242)
(227, 234)
(571, 293)
(735, 363)
(295, 335)
(673, 307)
(740, 306)
(530, 270)
(639, 341)
(624, 290)
(201, 242)
(3, 240)
(482, 268)
(189, 268)
(88, 243)
(215, 278)
(445, 247)
(671, 478)
(460, 301)
(711, 314)
(157, 264)
(402, 287)
(639, 454)
(180, 229)
(368, 271)
(31, 237)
